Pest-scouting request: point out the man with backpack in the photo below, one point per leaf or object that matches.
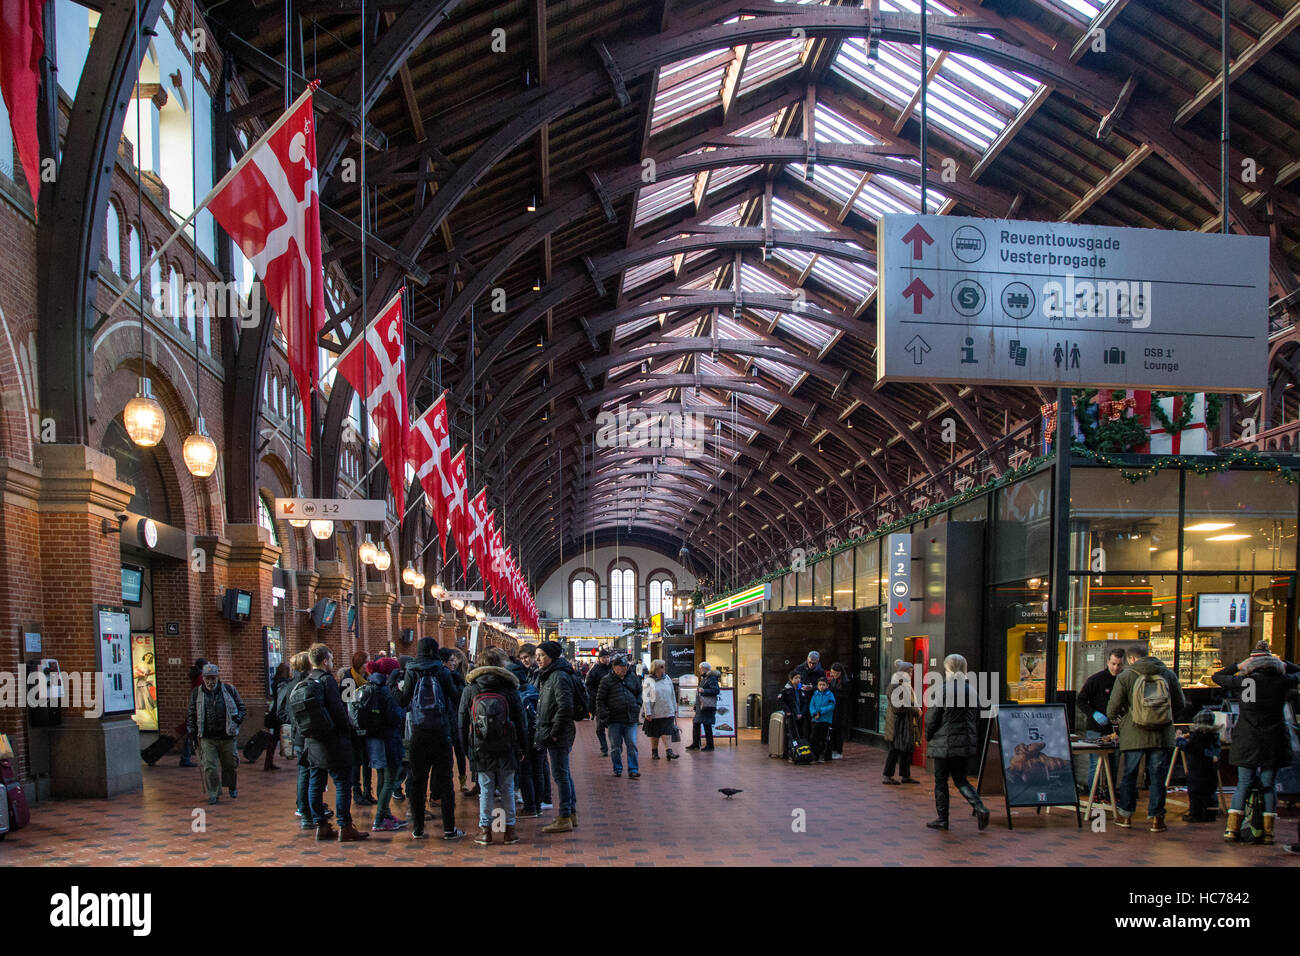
(492, 729)
(618, 705)
(561, 695)
(318, 713)
(1143, 704)
(427, 695)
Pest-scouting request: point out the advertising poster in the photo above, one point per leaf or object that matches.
(145, 674)
(113, 659)
(724, 721)
(1036, 758)
(274, 645)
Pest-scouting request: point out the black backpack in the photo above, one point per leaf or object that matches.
(428, 709)
(366, 709)
(581, 703)
(490, 727)
(307, 709)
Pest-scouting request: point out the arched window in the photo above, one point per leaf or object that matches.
(205, 328)
(155, 275)
(660, 594)
(582, 594)
(136, 244)
(113, 239)
(264, 519)
(622, 593)
(175, 284)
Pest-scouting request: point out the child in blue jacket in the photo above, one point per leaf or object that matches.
(822, 710)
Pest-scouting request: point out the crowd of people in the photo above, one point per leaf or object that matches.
(417, 723)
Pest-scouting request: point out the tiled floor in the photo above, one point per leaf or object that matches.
(672, 815)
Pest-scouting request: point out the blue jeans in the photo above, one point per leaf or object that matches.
(304, 801)
(488, 783)
(1157, 766)
(342, 793)
(566, 794)
(1266, 777)
(617, 734)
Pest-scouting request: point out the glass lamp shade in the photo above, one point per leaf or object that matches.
(383, 560)
(408, 574)
(367, 551)
(322, 530)
(144, 418)
(482, 615)
(438, 592)
(419, 581)
(200, 452)
(458, 604)
(298, 522)
(470, 610)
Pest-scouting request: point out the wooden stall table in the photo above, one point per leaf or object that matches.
(1103, 750)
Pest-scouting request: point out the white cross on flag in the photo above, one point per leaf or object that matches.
(269, 204)
(478, 527)
(430, 451)
(459, 509)
(383, 358)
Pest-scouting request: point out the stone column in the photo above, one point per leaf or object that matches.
(377, 606)
(249, 568)
(408, 616)
(300, 598)
(78, 563)
(22, 605)
(336, 584)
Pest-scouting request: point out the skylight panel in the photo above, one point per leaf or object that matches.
(854, 280)
(812, 333)
(770, 61)
(760, 404)
(722, 178)
(784, 374)
(638, 275)
(660, 197)
(629, 329)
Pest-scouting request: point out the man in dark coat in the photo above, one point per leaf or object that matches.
(810, 672)
(216, 711)
(331, 754)
(1260, 742)
(618, 707)
(952, 732)
(492, 731)
(1155, 743)
(431, 745)
(555, 730)
(594, 677)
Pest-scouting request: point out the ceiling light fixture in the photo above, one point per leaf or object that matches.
(200, 451)
(1210, 526)
(143, 417)
(367, 551)
(1228, 537)
(322, 530)
(383, 560)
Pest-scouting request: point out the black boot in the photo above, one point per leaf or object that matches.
(980, 811)
(940, 822)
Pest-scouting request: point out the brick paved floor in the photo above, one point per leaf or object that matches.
(673, 815)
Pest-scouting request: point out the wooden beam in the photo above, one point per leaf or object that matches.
(1244, 61)
(916, 97)
(1102, 21)
(1009, 132)
(1131, 162)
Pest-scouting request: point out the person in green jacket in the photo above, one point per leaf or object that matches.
(1144, 704)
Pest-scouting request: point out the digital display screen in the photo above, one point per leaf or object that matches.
(243, 603)
(132, 584)
(1223, 610)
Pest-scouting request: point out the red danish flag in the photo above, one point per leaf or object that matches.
(459, 509)
(381, 352)
(429, 449)
(270, 205)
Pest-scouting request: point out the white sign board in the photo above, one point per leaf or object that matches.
(1000, 301)
(330, 509)
(465, 595)
(900, 578)
(599, 627)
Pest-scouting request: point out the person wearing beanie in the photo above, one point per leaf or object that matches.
(427, 694)
(216, 711)
(555, 730)
(383, 722)
(351, 680)
(902, 724)
(1260, 743)
(1200, 746)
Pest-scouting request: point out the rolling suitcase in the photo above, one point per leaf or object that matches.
(158, 749)
(776, 735)
(257, 745)
(4, 817)
(801, 752)
(19, 814)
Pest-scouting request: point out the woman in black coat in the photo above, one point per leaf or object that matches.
(1259, 739)
(952, 732)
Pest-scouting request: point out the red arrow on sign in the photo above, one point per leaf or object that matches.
(918, 291)
(901, 609)
(915, 236)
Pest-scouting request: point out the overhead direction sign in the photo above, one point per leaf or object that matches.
(999, 301)
(331, 509)
(900, 577)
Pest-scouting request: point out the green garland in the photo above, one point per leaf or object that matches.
(1197, 464)
(1121, 435)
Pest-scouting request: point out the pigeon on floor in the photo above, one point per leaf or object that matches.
(729, 791)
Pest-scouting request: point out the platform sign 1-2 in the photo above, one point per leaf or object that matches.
(900, 578)
(331, 509)
(1000, 301)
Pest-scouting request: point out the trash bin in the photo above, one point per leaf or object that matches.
(753, 711)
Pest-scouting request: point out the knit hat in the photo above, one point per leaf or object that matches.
(386, 665)
(551, 649)
(426, 647)
(1204, 719)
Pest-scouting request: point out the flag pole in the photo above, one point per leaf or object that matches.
(234, 170)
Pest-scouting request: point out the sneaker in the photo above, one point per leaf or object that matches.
(452, 834)
(633, 775)
(618, 773)
(1123, 821)
(212, 801)
(419, 834)
(910, 780)
(889, 780)
(400, 823)
(654, 754)
(1291, 847)
(511, 836)
(484, 837)
(233, 793)
(692, 747)
(528, 814)
(837, 756)
(386, 825)
(547, 806)
(604, 753)
(1158, 824)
